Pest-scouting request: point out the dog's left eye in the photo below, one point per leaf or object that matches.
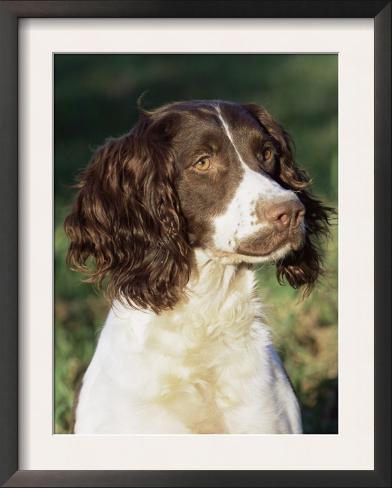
(266, 158)
(266, 155)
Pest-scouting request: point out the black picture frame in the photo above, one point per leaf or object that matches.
(10, 12)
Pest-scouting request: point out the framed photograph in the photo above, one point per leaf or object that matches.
(195, 243)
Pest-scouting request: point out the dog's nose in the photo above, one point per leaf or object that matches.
(283, 215)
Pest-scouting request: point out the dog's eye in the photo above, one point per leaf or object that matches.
(202, 165)
(267, 154)
(266, 158)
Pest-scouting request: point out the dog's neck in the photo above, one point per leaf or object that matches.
(217, 284)
(213, 274)
(220, 303)
(218, 295)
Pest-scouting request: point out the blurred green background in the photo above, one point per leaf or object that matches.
(95, 97)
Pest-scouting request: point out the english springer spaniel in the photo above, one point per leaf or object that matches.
(173, 215)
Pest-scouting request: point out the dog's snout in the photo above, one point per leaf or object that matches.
(282, 215)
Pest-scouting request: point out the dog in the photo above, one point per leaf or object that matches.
(169, 219)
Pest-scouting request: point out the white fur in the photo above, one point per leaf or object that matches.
(239, 220)
(208, 366)
(209, 358)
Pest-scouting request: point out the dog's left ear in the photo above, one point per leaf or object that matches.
(301, 268)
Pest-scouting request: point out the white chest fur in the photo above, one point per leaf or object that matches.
(206, 367)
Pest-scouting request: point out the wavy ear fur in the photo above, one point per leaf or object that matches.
(127, 218)
(300, 268)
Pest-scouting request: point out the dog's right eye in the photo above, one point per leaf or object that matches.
(202, 165)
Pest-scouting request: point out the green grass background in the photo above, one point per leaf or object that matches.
(95, 97)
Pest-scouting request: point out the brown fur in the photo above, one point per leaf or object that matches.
(127, 217)
(140, 211)
(301, 267)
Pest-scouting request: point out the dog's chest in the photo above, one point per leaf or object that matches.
(199, 361)
(203, 368)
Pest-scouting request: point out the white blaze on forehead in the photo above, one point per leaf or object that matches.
(239, 220)
(230, 136)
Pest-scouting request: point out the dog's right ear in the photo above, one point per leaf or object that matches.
(127, 218)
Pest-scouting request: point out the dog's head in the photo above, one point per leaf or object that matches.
(213, 175)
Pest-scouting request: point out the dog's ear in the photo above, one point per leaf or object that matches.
(127, 218)
(301, 268)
